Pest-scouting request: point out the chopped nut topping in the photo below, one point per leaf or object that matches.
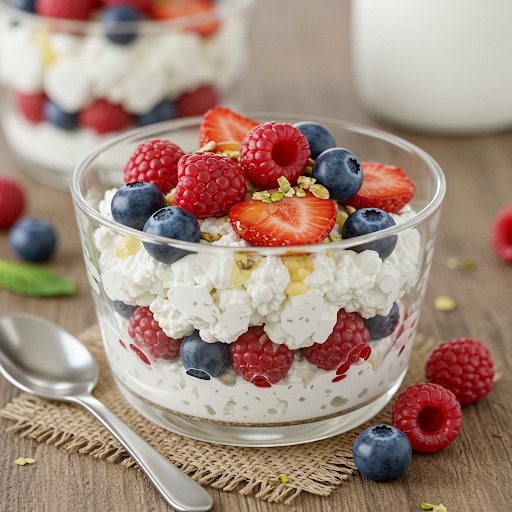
(299, 192)
(209, 146)
(277, 196)
(24, 460)
(260, 195)
(290, 193)
(435, 508)
(128, 246)
(210, 237)
(242, 268)
(284, 184)
(444, 303)
(305, 182)
(333, 238)
(319, 191)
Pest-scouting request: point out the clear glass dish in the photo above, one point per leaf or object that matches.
(168, 69)
(201, 292)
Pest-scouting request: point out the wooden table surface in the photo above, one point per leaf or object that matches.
(301, 64)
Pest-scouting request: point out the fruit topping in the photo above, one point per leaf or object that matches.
(113, 17)
(382, 453)
(163, 111)
(429, 415)
(224, 127)
(464, 366)
(171, 222)
(74, 10)
(346, 345)
(31, 105)
(501, 234)
(340, 172)
(141, 5)
(12, 201)
(103, 117)
(370, 220)
(381, 326)
(272, 150)
(198, 101)
(384, 186)
(149, 336)
(155, 162)
(204, 360)
(59, 117)
(258, 360)
(33, 239)
(125, 310)
(289, 221)
(134, 203)
(319, 137)
(209, 184)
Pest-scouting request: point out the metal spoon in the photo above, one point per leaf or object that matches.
(41, 358)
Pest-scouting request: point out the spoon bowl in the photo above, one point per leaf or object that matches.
(43, 359)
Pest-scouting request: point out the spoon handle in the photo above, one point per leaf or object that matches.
(178, 489)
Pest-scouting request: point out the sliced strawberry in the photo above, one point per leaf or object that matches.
(225, 127)
(173, 9)
(384, 186)
(289, 221)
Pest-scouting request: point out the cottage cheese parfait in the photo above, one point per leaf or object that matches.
(260, 283)
(74, 74)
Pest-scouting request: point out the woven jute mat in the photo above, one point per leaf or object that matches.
(313, 467)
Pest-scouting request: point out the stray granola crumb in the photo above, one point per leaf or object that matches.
(435, 508)
(499, 435)
(444, 303)
(22, 461)
(452, 263)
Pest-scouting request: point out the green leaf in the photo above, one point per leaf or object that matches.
(30, 279)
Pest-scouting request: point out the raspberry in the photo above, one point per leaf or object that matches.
(209, 184)
(141, 5)
(31, 105)
(154, 162)
(429, 415)
(70, 9)
(148, 335)
(258, 360)
(501, 234)
(197, 102)
(12, 201)
(464, 366)
(272, 150)
(102, 117)
(346, 345)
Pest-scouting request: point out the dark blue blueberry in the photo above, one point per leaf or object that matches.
(60, 118)
(204, 360)
(164, 111)
(134, 203)
(33, 239)
(370, 220)
(125, 310)
(319, 137)
(24, 5)
(340, 172)
(171, 222)
(382, 453)
(381, 326)
(114, 19)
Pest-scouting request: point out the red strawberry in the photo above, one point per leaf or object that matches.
(289, 221)
(74, 10)
(171, 9)
(384, 186)
(225, 127)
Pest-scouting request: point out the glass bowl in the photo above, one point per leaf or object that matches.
(206, 292)
(69, 85)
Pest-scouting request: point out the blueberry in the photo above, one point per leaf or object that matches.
(381, 326)
(171, 222)
(340, 172)
(319, 137)
(125, 310)
(204, 360)
(134, 203)
(58, 117)
(114, 19)
(370, 220)
(24, 5)
(164, 111)
(382, 452)
(33, 239)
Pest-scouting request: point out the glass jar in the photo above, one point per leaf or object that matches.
(220, 291)
(70, 85)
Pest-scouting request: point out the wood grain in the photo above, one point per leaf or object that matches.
(301, 63)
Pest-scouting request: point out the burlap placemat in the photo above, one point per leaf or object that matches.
(313, 467)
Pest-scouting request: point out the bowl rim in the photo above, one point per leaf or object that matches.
(150, 131)
(221, 11)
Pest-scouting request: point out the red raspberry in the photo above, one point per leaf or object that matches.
(209, 184)
(156, 162)
(12, 201)
(429, 415)
(196, 103)
(141, 5)
(501, 234)
(272, 150)
(31, 105)
(346, 345)
(464, 366)
(102, 117)
(70, 9)
(258, 360)
(148, 335)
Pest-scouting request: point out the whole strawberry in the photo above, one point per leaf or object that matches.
(464, 366)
